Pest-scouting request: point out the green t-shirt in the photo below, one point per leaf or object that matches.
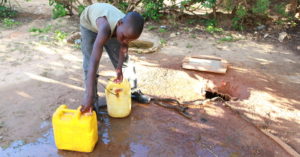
(91, 13)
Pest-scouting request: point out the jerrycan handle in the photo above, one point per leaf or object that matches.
(77, 113)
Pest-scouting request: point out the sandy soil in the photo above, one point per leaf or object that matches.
(38, 75)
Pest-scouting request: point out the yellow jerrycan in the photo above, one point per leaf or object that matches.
(73, 130)
(118, 98)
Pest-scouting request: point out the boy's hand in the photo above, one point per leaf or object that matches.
(86, 108)
(119, 78)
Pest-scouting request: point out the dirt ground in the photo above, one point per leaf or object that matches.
(38, 75)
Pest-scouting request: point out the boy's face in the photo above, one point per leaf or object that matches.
(124, 34)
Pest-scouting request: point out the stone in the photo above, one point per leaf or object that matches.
(147, 43)
(173, 44)
(261, 27)
(163, 27)
(282, 36)
(237, 35)
(266, 35)
(142, 46)
(172, 35)
(205, 63)
(71, 39)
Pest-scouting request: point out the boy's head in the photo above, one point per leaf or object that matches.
(130, 27)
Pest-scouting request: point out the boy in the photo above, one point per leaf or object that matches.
(103, 25)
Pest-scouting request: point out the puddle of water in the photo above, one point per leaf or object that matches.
(104, 128)
(44, 146)
(213, 151)
(45, 124)
(120, 137)
(139, 149)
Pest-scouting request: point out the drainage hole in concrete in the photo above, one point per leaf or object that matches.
(210, 95)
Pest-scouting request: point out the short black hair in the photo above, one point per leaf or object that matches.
(135, 21)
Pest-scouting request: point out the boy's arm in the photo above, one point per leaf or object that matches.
(102, 36)
(123, 52)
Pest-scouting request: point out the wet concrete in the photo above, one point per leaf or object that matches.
(151, 130)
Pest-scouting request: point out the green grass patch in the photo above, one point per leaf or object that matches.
(189, 45)
(280, 9)
(212, 29)
(35, 30)
(228, 38)
(6, 12)
(60, 35)
(162, 41)
(186, 29)
(77, 46)
(191, 21)
(162, 30)
(209, 22)
(151, 27)
(9, 23)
